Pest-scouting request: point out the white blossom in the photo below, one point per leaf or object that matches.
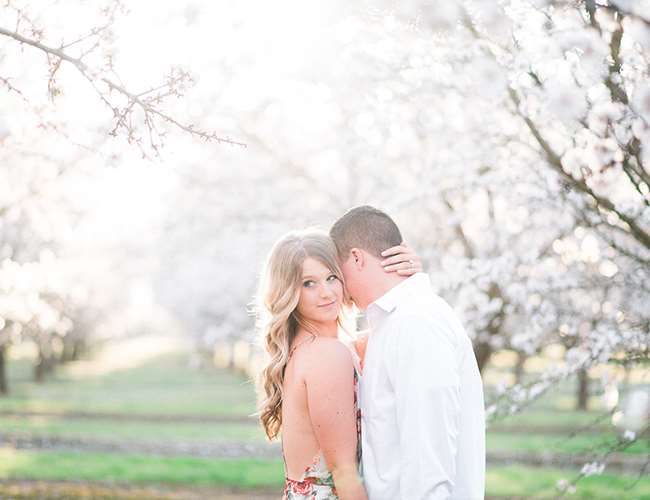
(629, 435)
(565, 100)
(592, 469)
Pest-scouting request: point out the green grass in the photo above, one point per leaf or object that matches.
(549, 416)
(509, 481)
(245, 473)
(167, 385)
(163, 385)
(529, 482)
(582, 443)
(106, 429)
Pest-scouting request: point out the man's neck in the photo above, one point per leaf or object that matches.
(383, 284)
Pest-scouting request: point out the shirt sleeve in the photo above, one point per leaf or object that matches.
(426, 382)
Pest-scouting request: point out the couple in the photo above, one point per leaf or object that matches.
(410, 425)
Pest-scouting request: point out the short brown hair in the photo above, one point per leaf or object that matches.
(365, 227)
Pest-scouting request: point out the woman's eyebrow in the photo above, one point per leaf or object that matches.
(311, 276)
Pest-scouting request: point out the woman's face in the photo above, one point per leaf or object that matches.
(321, 292)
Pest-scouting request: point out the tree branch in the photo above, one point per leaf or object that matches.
(590, 5)
(147, 105)
(625, 12)
(555, 162)
(11, 88)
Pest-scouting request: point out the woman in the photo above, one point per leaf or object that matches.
(309, 385)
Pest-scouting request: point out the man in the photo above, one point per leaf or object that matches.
(423, 424)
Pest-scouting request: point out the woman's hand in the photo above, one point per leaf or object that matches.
(402, 260)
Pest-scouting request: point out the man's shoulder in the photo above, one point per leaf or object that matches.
(428, 315)
(425, 307)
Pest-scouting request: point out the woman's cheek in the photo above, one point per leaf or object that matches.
(311, 297)
(304, 301)
(339, 290)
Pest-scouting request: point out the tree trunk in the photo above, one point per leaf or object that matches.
(519, 367)
(69, 351)
(39, 369)
(41, 365)
(46, 361)
(4, 383)
(583, 390)
(72, 349)
(78, 347)
(482, 351)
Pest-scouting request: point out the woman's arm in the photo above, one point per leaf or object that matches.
(402, 260)
(330, 396)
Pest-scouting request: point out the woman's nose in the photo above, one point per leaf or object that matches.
(326, 290)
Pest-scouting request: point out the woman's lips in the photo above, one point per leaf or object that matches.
(328, 304)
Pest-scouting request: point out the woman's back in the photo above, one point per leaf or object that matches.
(299, 443)
(319, 416)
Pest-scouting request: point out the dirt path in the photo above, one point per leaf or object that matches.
(78, 490)
(253, 421)
(26, 441)
(135, 417)
(75, 490)
(616, 462)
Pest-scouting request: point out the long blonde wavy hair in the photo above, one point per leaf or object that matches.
(278, 319)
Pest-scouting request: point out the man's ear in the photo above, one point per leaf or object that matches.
(358, 258)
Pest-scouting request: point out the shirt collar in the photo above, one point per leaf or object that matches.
(414, 285)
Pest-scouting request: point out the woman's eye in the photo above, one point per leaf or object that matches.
(308, 283)
(332, 278)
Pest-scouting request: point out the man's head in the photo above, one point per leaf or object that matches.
(360, 236)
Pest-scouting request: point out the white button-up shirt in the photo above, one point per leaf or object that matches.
(423, 432)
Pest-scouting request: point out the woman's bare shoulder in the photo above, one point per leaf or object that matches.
(327, 352)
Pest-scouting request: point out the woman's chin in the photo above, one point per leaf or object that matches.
(325, 317)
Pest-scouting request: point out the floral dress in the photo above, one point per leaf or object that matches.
(317, 482)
